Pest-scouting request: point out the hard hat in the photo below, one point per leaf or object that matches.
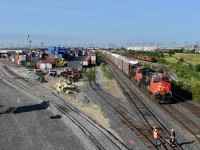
(172, 129)
(155, 130)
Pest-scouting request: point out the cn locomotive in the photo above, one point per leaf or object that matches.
(158, 84)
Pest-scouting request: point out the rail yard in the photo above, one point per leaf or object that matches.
(62, 94)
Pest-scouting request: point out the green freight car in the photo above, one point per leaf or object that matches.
(30, 64)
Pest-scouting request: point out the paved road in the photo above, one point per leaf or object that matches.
(72, 64)
(26, 125)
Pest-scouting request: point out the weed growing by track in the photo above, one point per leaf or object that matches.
(89, 74)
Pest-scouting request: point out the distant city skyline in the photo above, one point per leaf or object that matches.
(92, 22)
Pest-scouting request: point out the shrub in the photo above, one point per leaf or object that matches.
(196, 94)
(197, 68)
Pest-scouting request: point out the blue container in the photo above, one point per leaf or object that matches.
(22, 63)
(60, 55)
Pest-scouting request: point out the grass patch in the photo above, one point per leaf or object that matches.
(106, 73)
(89, 74)
(193, 59)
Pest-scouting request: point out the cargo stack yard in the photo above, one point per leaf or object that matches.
(52, 57)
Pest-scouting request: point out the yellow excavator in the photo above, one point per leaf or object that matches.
(60, 62)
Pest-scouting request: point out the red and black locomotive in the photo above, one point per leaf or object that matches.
(158, 84)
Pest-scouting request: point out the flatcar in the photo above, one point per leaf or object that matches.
(158, 84)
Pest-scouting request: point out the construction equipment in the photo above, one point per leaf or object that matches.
(60, 62)
(65, 86)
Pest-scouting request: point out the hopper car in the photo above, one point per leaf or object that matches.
(157, 84)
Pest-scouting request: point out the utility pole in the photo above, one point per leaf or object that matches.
(30, 41)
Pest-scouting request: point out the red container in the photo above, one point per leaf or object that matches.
(16, 58)
(28, 58)
(49, 60)
(38, 65)
(41, 53)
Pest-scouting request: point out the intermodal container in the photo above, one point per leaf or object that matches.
(30, 64)
(16, 58)
(48, 65)
(49, 60)
(21, 62)
(28, 58)
(41, 53)
(38, 65)
(60, 55)
(13, 60)
(42, 66)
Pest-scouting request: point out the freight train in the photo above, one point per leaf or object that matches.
(145, 58)
(157, 84)
(90, 60)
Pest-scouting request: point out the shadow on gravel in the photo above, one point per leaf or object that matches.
(183, 143)
(29, 108)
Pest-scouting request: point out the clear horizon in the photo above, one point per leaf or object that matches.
(92, 22)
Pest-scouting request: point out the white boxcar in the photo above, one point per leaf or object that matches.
(48, 65)
(22, 57)
(125, 65)
(115, 57)
(93, 60)
(42, 66)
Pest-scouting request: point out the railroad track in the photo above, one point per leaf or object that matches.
(186, 123)
(190, 124)
(194, 109)
(140, 129)
(99, 136)
(151, 121)
(148, 116)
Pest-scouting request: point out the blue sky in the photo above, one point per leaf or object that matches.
(100, 22)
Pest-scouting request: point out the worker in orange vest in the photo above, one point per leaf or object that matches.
(155, 136)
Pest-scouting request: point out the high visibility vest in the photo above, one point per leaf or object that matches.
(155, 134)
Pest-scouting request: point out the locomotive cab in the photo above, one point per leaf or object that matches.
(160, 86)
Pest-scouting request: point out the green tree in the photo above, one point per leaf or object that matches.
(181, 59)
(171, 53)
